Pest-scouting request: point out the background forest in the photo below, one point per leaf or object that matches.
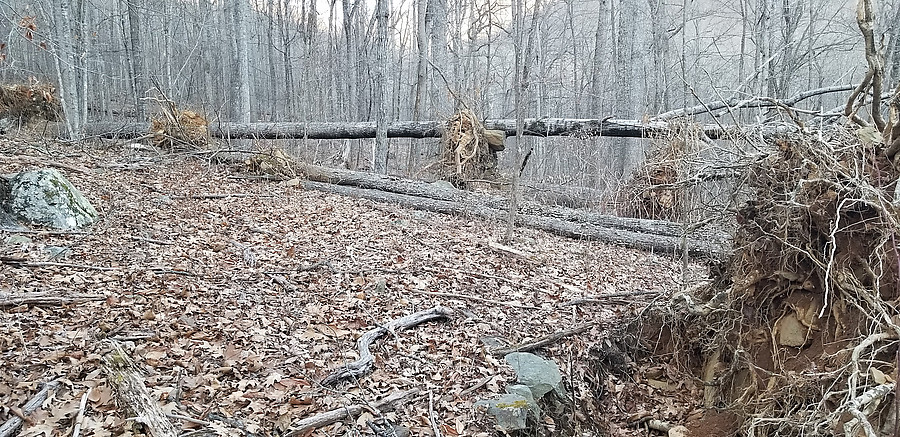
(318, 60)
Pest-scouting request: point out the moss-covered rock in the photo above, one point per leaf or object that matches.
(46, 198)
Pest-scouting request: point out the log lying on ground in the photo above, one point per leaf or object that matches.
(126, 380)
(582, 231)
(556, 219)
(543, 127)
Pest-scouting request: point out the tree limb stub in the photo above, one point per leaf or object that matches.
(11, 426)
(364, 364)
(124, 378)
(542, 127)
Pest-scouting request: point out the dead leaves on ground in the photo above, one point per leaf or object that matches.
(219, 337)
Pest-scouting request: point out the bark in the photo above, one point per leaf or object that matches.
(653, 235)
(242, 75)
(544, 127)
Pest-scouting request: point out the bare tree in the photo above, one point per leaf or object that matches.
(380, 148)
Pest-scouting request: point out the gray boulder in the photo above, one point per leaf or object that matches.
(46, 198)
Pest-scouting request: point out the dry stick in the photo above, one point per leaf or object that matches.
(45, 299)
(606, 297)
(487, 276)
(475, 298)
(431, 416)
(55, 264)
(11, 426)
(150, 240)
(80, 419)
(366, 360)
(529, 346)
(327, 418)
(221, 196)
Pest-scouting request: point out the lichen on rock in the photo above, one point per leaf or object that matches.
(46, 198)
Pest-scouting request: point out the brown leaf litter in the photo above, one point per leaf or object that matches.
(236, 297)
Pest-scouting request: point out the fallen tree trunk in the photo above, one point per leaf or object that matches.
(582, 231)
(445, 193)
(543, 127)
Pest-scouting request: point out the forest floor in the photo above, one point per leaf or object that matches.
(236, 297)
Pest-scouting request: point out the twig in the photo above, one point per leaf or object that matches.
(150, 240)
(282, 281)
(221, 196)
(474, 298)
(486, 276)
(606, 297)
(21, 263)
(541, 342)
(319, 420)
(431, 416)
(481, 383)
(80, 419)
(47, 299)
(188, 419)
(11, 426)
(366, 360)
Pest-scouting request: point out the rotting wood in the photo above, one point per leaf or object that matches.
(44, 298)
(11, 426)
(546, 340)
(125, 379)
(309, 424)
(542, 127)
(583, 231)
(366, 361)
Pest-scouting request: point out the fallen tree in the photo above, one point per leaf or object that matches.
(543, 127)
(447, 193)
(582, 231)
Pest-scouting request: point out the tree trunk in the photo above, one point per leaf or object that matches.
(241, 82)
(412, 129)
(380, 148)
(136, 59)
(615, 230)
(65, 69)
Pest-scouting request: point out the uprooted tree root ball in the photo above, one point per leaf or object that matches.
(26, 102)
(176, 129)
(468, 150)
(652, 190)
(801, 338)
